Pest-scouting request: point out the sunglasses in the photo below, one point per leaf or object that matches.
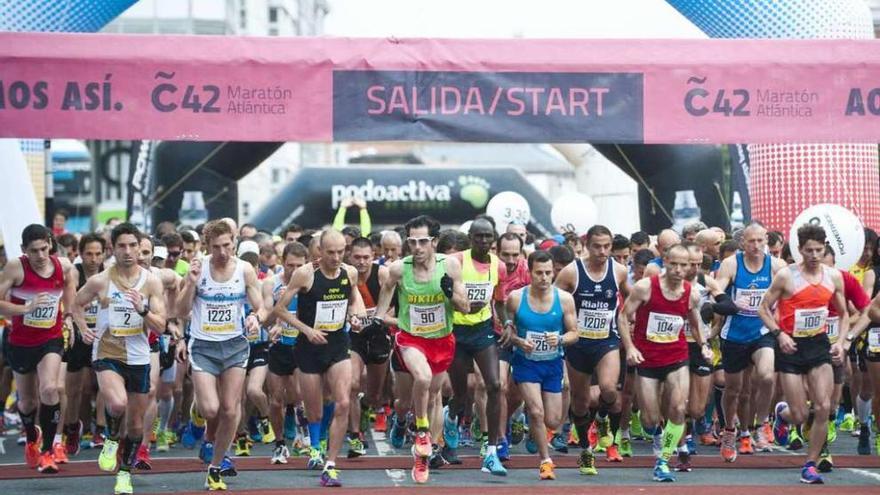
(421, 241)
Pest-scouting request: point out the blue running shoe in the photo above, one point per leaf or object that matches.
(450, 430)
(691, 445)
(206, 452)
(531, 446)
(559, 443)
(254, 431)
(398, 434)
(810, 475)
(662, 472)
(191, 435)
(492, 465)
(290, 427)
(504, 450)
(227, 467)
(780, 426)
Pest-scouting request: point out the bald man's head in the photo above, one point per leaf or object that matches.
(666, 238)
(710, 241)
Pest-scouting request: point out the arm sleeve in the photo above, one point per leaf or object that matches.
(724, 305)
(339, 220)
(366, 223)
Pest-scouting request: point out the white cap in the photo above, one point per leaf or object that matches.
(248, 247)
(160, 252)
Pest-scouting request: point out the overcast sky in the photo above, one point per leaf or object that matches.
(508, 18)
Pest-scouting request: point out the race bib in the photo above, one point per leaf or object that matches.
(44, 315)
(594, 323)
(748, 300)
(478, 292)
(690, 336)
(218, 318)
(663, 328)
(91, 314)
(874, 340)
(330, 315)
(833, 328)
(809, 322)
(427, 318)
(124, 320)
(289, 331)
(543, 349)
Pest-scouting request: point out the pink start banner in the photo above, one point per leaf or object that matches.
(102, 86)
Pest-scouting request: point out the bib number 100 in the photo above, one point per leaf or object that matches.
(812, 321)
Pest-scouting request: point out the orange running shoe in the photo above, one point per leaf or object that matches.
(47, 463)
(708, 439)
(545, 471)
(142, 458)
(32, 451)
(593, 435)
(381, 423)
(612, 455)
(59, 453)
(419, 471)
(745, 446)
(728, 445)
(764, 442)
(422, 444)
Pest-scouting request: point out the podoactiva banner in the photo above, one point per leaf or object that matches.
(102, 86)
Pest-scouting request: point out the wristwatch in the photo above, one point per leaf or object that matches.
(850, 338)
(144, 312)
(776, 332)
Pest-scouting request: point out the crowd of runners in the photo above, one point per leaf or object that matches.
(215, 337)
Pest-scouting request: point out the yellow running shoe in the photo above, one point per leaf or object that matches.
(107, 459)
(213, 482)
(123, 484)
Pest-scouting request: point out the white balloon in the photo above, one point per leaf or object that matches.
(507, 207)
(466, 227)
(574, 212)
(843, 231)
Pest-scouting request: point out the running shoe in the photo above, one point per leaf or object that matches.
(708, 439)
(492, 465)
(587, 463)
(98, 438)
(559, 444)
(503, 450)
(691, 444)
(267, 434)
(398, 434)
(684, 461)
(728, 445)
(280, 454)
(381, 423)
(826, 463)
(107, 458)
(422, 444)
(299, 448)
(59, 453)
(163, 441)
(450, 430)
(142, 458)
(603, 430)
(123, 483)
(626, 449)
(657, 442)
(32, 451)
(518, 429)
(662, 472)
(612, 454)
(810, 475)
(864, 447)
(316, 460)
(47, 464)
(356, 448)
(437, 461)
(764, 438)
(877, 443)
(780, 426)
(545, 471)
(531, 446)
(242, 446)
(73, 438)
(848, 423)
(450, 455)
(206, 452)
(635, 426)
(420, 470)
(191, 435)
(214, 482)
(745, 446)
(832, 432)
(227, 467)
(330, 477)
(795, 442)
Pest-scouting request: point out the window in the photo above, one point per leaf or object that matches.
(273, 14)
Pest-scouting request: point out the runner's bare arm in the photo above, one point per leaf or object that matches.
(156, 316)
(569, 319)
(725, 274)
(356, 308)
(868, 282)
(567, 278)
(640, 294)
(459, 295)
(384, 277)
(839, 302)
(187, 294)
(776, 290)
(12, 275)
(386, 291)
(651, 270)
(508, 330)
(71, 279)
(171, 285)
(266, 288)
(777, 264)
(255, 294)
(622, 275)
(301, 279)
(88, 293)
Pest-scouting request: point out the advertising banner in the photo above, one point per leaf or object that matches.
(323, 89)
